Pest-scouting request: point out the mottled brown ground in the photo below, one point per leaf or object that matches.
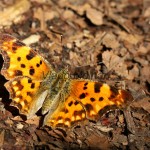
(107, 41)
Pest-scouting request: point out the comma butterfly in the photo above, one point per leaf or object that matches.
(33, 84)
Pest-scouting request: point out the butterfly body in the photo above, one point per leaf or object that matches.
(33, 84)
(58, 89)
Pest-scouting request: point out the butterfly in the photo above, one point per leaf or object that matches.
(33, 84)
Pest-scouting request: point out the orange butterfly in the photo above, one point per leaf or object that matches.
(33, 84)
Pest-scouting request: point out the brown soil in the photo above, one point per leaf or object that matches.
(108, 41)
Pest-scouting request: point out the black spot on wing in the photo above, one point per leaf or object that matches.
(25, 102)
(23, 65)
(31, 71)
(84, 88)
(14, 48)
(92, 99)
(32, 85)
(97, 87)
(37, 65)
(30, 55)
(29, 93)
(20, 97)
(59, 118)
(67, 119)
(40, 62)
(88, 107)
(101, 99)
(70, 103)
(76, 103)
(86, 83)
(16, 45)
(19, 58)
(78, 113)
(18, 73)
(19, 85)
(83, 95)
(114, 92)
(29, 81)
(66, 111)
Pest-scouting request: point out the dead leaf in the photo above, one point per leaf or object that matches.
(34, 121)
(131, 38)
(144, 103)
(146, 72)
(13, 13)
(68, 14)
(2, 133)
(110, 41)
(114, 62)
(32, 39)
(95, 16)
(134, 72)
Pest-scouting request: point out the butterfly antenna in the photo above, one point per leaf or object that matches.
(57, 32)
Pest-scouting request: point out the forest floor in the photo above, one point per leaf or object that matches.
(107, 41)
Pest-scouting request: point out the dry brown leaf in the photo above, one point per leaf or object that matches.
(110, 41)
(34, 121)
(94, 141)
(9, 122)
(78, 8)
(43, 14)
(39, 1)
(134, 72)
(32, 39)
(13, 13)
(146, 72)
(114, 62)
(73, 55)
(142, 50)
(2, 133)
(81, 10)
(119, 19)
(141, 60)
(95, 16)
(146, 8)
(131, 38)
(81, 22)
(144, 103)
(68, 14)
(147, 12)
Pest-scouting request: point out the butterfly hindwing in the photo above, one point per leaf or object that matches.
(86, 100)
